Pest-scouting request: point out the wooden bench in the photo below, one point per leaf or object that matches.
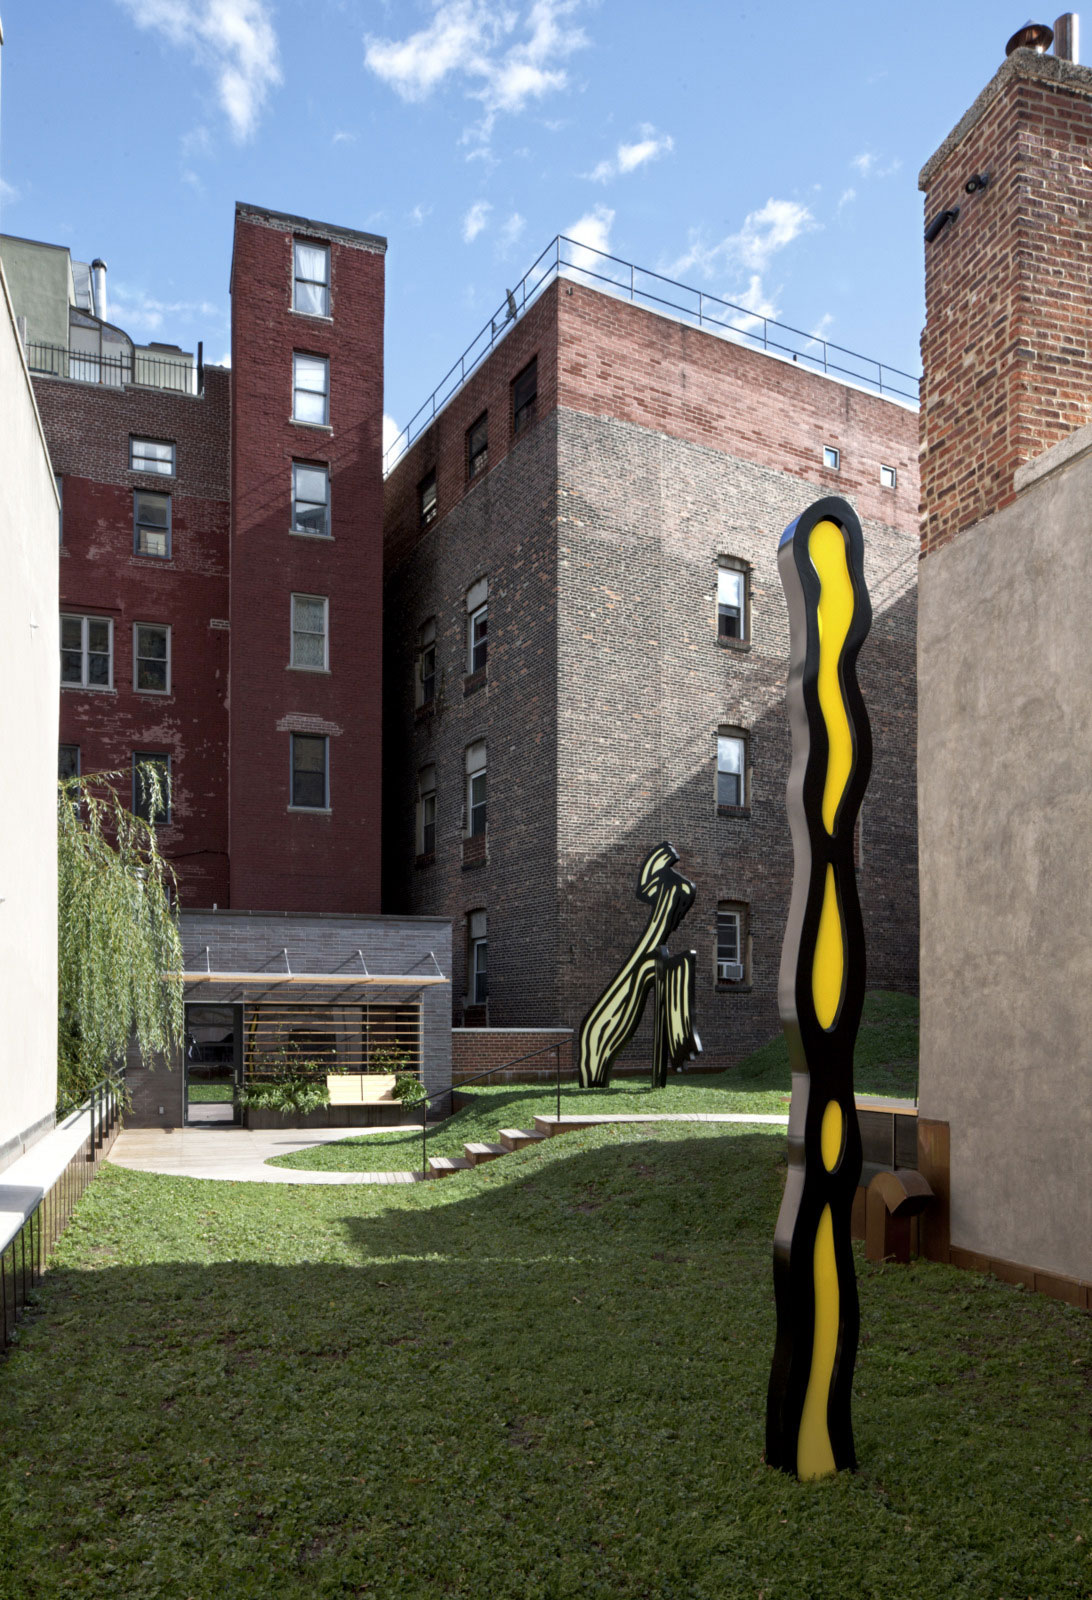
(360, 1088)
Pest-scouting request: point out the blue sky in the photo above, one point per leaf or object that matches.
(767, 155)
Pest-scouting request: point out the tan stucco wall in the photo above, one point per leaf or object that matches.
(1005, 790)
(29, 673)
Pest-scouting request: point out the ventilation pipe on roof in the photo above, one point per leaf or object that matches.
(1067, 37)
(98, 287)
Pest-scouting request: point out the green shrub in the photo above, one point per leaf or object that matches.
(408, 1088)
(295, 1096)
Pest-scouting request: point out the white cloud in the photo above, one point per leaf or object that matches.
(628, 157)
(505, 57)
(418, 215)
(138, 312)
(868, 165)
(762, 235)
(512, 230)
(846, 198)
(475, 220)
(235, 39)
(341, 137)
(225, 359)
(8, 192)
(822, 327)
(590, 233)
(391, 432)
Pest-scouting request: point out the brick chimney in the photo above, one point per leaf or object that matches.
(1006, 352)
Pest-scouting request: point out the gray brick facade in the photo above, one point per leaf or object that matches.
(606, 684)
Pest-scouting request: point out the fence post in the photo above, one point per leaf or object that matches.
(424, 1137)
(557, 1055)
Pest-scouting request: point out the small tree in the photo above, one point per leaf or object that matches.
(117, 932)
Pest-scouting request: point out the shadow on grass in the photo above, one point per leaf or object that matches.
(546, 1378)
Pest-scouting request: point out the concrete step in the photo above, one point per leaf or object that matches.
(444, 1166)
(477, 1152)
(517, 1138)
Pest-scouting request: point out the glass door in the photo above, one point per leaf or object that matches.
(213, 1057)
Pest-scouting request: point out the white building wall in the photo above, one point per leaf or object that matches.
(29, 675)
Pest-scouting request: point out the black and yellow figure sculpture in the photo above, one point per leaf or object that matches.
(809, 1429)
(615, 1016)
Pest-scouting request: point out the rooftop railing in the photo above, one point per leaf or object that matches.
(139, 367)
(567, 258)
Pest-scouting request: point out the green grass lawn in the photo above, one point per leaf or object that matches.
(542, 1380)
(886, 1063)
(209, 1094)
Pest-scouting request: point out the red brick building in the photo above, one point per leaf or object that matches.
(221, 559)
(586, 654)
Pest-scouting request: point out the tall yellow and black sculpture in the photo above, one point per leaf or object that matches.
(809, 1429)
(614, 1018)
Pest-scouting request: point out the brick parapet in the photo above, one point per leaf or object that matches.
(1007, 366)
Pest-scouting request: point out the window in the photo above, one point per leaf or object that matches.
(310, 388)
(426, 663)
(87, 652)
(310, 772)
(477, 446)
(731, 601)
(426, 811)
(59, 481)
(68, 761)
(311, 286)
(889, 477)
(151, 524)
(150, 455)
(524, 395)
(475, 789)
(832, 458)
(731, 769)
(477, 625)
(730, 943)
(310, 500)
(477, 929)
(426, 500)
(310, 633)
(151, 768)
(151, 658)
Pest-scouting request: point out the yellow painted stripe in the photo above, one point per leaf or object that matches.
(827, 549)
(830, 1135)
(828, 963)
(814, 1452)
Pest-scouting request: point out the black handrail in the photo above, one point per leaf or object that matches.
(449, 1093)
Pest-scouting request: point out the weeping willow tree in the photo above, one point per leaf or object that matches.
(117, 934)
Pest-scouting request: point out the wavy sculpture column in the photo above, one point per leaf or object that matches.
(615, 1016)
(809, 1428)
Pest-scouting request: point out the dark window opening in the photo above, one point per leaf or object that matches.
(427, 500)
(477, 446)
(524, 396)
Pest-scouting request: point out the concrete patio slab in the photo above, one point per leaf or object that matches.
(238, 1155)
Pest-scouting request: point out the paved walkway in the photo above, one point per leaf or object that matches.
(237, 1155)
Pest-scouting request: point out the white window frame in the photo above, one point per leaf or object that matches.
(426, 641)
(832, 458)
(298, 389)
(163, 627)
(426, 791)
(297, 498)
(325, 806)
(293, 630)
(889, 477)
(738, 737)
(477, 766)
(729, 971)
(139, 757)
(84, 620)
(297, 278)
(160, 469)
(475, 619)
(728, 564)
(153, 527)
(477, 951)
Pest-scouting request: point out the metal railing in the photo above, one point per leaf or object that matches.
(24, 1257)
(567, 258)
(449, 1094)
(136, 367)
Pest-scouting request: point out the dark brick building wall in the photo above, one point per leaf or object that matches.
(1005, 351)
(666, 449)
(284, 859)
(88, 428)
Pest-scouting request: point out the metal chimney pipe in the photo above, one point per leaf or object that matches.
(1067, 37)
(98, 287)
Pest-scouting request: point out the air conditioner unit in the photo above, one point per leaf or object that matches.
(730, 971)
